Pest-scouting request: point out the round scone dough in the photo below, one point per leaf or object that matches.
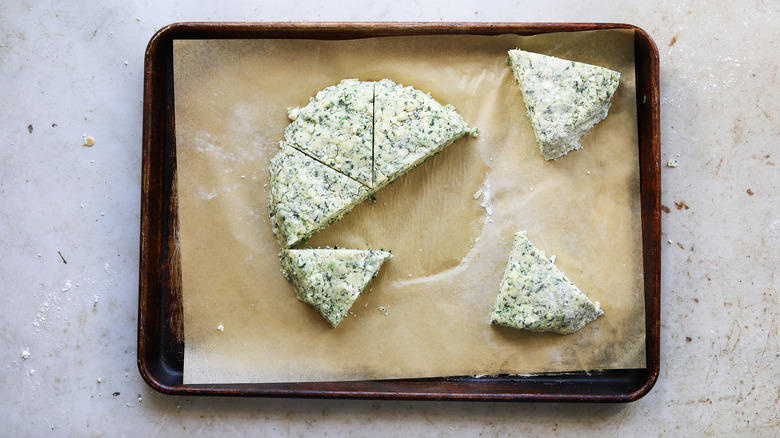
(370, 133)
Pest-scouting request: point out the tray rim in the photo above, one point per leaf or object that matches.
(158, 365)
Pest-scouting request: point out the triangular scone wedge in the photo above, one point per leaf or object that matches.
(336, 128)
(409, 127)
(563, 99)
(306, 195)
(535, 295)
(331, 279)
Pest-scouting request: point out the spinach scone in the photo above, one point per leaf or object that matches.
(331, 279)
(409, 127)
(306, 195)
(335, 128)
(535, 295)
(563, 99)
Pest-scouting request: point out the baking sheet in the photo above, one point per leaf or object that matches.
(427, 313)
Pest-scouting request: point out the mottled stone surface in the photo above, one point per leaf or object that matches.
(73, 70)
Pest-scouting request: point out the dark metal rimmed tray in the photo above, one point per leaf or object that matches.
(160, 329)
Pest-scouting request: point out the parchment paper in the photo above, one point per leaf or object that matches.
(449, 223)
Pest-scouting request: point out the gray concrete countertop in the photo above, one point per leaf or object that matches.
(75, 69)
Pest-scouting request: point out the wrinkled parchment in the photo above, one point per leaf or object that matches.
(449, 223)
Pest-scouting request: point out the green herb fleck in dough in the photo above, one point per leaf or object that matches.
(535, 295)
(563, 99)
(331, 279)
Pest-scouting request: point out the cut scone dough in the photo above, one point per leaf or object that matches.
(336, 128)
(409, 127)
(306, 195)
(331, 279)
(563, 99)
(351, 140)
(535, 295)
